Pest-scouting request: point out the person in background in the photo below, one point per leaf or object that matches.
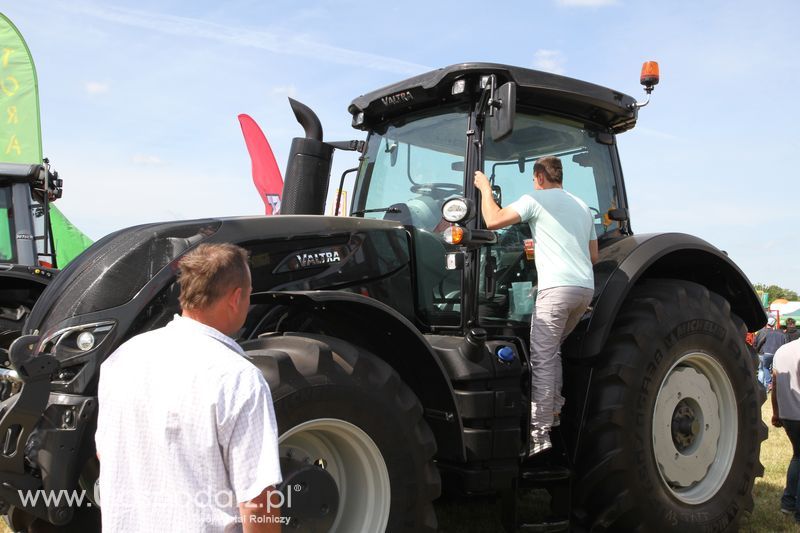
(786, 414)
(792, 334)
(768, 340)
(186, 431)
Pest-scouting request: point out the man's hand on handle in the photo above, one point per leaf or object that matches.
(482, 182)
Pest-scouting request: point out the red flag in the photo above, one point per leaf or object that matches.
(266, 174)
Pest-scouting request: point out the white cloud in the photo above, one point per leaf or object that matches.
(549, 60)
(587, 3)
(96, 87)
(288, 90)
(288, 43)
(146, 159)
(657, 133)
(138, 205)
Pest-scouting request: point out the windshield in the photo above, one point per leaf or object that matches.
(587, 166)
(6, 229)
(411, 167)
(588, 174)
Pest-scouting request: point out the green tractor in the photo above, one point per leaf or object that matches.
(27, 248)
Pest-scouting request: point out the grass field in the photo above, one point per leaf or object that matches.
(775, 454)
(482, 516)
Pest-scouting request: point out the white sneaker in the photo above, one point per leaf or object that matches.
(539, 444)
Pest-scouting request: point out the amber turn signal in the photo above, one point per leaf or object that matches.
(454, 234)
(649, 75)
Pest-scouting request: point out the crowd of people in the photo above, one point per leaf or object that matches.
(766, 343)
(779, 372)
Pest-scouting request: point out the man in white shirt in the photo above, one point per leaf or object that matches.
(186, 434)
(786, 414)
(566, 248)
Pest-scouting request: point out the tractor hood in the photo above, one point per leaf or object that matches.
(118, 277)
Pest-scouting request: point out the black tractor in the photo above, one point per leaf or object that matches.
(395, 340)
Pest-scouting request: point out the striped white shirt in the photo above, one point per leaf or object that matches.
(186, 431)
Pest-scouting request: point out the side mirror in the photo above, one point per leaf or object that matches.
(504, 102)
(393, 148)
(618, 214)
(583, 159)
(497, 194)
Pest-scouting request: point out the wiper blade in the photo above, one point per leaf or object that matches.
(378, 210)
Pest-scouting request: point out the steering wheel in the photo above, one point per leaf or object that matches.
(421, 188)
(512, 235)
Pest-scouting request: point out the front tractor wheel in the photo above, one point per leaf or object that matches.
(674, 426)
(355, 466)
(356, 453)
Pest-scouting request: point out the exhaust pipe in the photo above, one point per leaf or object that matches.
(305, 185)
(308, 119)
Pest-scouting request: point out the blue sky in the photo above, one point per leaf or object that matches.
(139, 99)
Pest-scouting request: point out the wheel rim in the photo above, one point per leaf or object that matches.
(695, 428)
(354, 461)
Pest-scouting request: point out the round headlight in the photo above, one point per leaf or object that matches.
(85, 341)
(455, 210)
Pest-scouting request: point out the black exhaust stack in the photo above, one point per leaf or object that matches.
(305, 186)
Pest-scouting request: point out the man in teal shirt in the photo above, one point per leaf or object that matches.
(566, 248)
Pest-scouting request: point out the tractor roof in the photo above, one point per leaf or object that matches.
(541, 90)
(18, 173)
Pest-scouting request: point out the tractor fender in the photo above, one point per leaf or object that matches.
(376, 327)
(665, 256)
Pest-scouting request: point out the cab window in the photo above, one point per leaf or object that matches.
(588, 174)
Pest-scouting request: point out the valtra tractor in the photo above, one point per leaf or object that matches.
(395, 340)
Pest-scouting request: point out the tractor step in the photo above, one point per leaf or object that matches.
(542, 476)
(554, 478)
(545, 527)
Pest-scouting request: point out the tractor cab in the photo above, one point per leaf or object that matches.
(426, 138)
(26, 236)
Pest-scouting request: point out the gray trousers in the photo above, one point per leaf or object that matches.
(556, 314)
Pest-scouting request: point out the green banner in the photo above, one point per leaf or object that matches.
(20, 132)
(6, 244)
(69, 240)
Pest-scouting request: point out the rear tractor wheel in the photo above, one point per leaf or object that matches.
(674, 429)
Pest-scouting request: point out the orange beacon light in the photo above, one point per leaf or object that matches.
(649, 76)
